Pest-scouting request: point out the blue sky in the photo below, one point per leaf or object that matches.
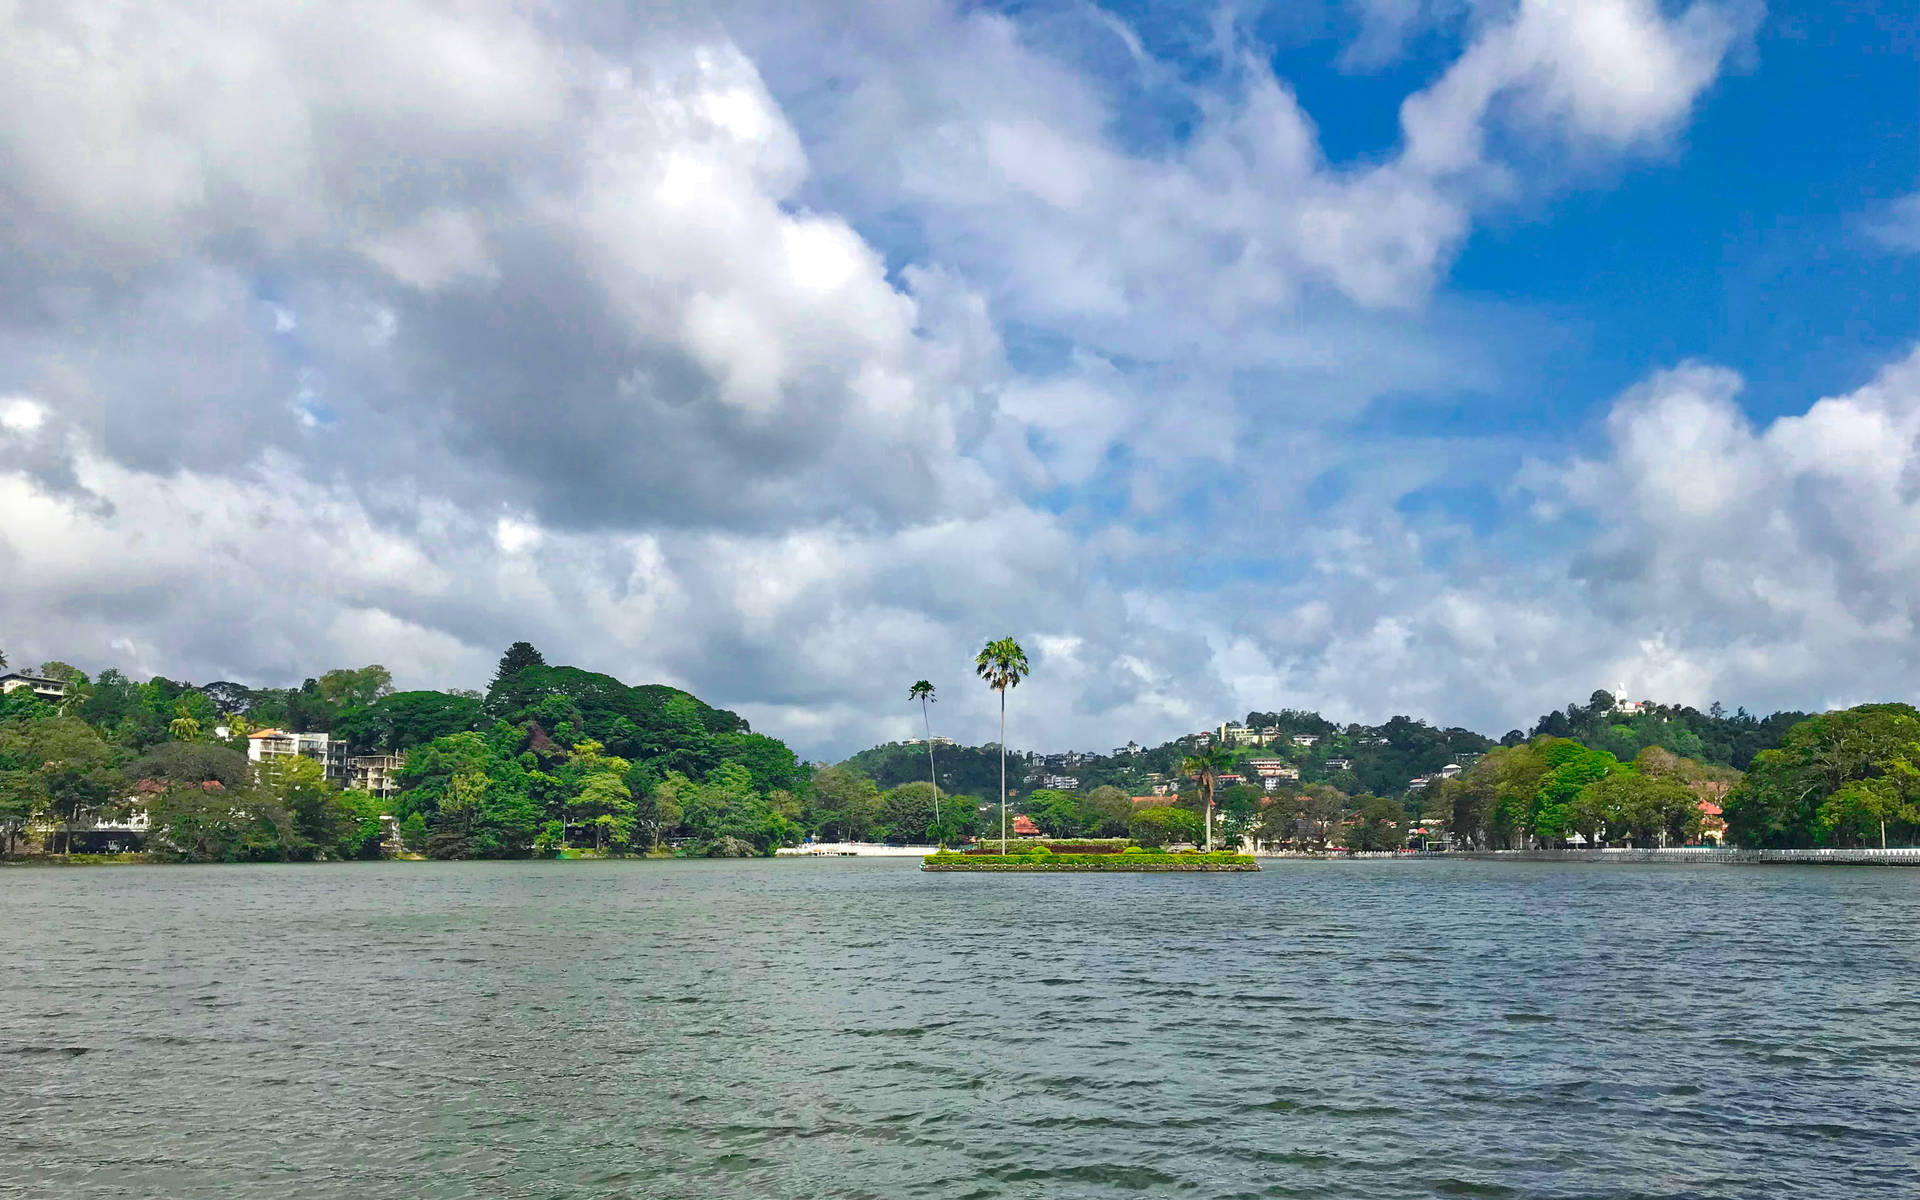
(1441, 357)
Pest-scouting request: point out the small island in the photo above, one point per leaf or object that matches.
(1085, 856)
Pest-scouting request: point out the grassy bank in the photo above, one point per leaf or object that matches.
(1131, 861)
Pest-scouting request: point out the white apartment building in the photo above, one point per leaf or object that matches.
(269, 745)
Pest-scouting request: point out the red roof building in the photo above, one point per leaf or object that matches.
(1023, 826)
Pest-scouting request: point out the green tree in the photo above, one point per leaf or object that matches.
(661, 809)
(909, 812)
(1002, 664)
(605, 806)
(1156, 828)
(846, 805)
(1380, 825)
(1787, 798)
(518, 658)
(1105, 812)
(344, 689)
(1057, 813)
(184, 727)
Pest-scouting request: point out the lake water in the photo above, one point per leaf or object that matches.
(860, 1029)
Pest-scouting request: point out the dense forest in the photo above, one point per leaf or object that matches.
(548, 757)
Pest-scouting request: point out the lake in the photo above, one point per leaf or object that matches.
(856, 1028)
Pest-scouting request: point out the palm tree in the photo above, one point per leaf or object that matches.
(1204, 769)
(184, 727)
(1003, 664)
(923, 692)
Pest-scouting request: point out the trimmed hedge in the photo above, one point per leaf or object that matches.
(991, 846)
(1218, 861)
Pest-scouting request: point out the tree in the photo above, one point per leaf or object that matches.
(1105, 812)
(1204, 768)
(1793, 796)
(1056, 813)
(344, 689)
(184, 727)
(1379, 826)
(844, 802)
(69, 759)
(923, 692)
(518, 658)
(909, 812)
(606, 806)
(1156, 828)
(658, 809)
(1002, 664)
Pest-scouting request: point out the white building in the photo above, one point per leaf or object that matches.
(270, 745)
(1233, 733)
(1339, 764)
(1305, 739)
(937, 739)
(1060, 783)
(53, 691)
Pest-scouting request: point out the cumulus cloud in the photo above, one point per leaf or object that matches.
(781, 351)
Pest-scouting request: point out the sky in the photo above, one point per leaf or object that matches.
(1451, 359)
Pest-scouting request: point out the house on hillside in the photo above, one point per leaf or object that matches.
(53, 691)
(267, 747)
(1339, 764)
(1305, 739)
(1274, 770)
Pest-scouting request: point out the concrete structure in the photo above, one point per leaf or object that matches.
(53, 691)
(1305, 739)
(1060, 783)
(378, 774)
(1274, 768)
(269, 746)
(1339, 764)
(1449, 771)
(936, 739)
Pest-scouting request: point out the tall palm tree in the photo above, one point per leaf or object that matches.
(923, 692)
(1204, 769)
(1003, 664)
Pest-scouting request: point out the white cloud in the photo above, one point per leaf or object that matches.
(1897, 225)
(790, 390)
(19, 415)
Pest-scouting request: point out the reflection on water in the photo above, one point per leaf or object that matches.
(856, 1028)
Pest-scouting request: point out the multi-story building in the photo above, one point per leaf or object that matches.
(1060, 783)
(936, 739)
(376, 774)
(1305, 739)
(1339, 764)
(1232, 733)
(53, 691)
(268, 746)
